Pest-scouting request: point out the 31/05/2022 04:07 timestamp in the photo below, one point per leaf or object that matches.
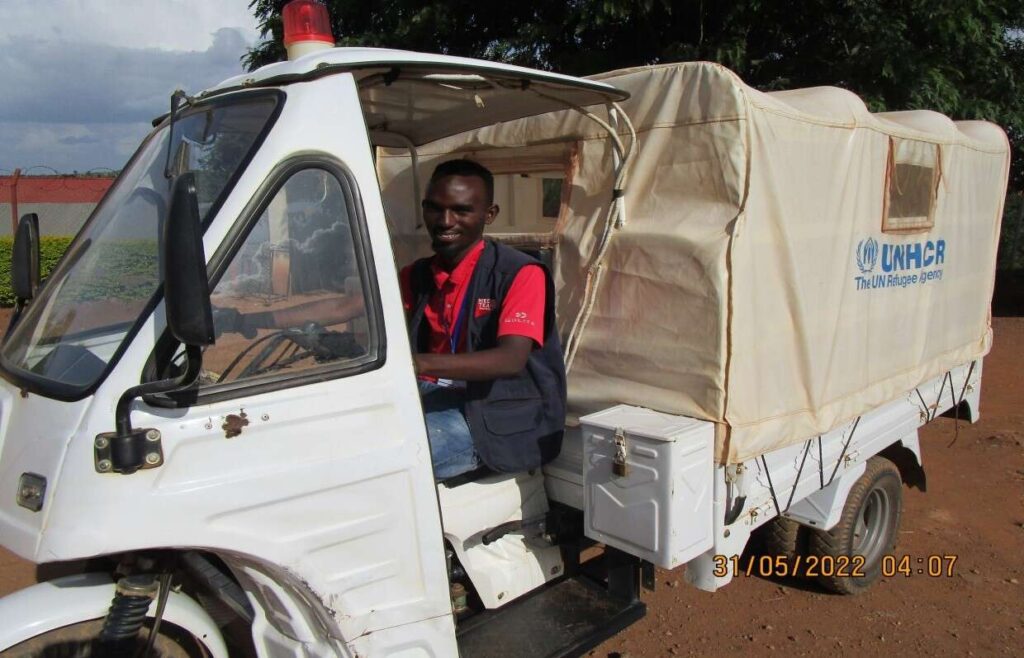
(853, 566)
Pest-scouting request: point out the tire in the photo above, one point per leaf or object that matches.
(80, 641)
(781, 536)
(868, 527)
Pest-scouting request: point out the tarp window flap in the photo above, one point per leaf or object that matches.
(912, 178)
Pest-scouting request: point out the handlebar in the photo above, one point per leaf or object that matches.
(311, 340)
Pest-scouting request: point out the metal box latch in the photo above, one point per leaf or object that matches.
(619, 465)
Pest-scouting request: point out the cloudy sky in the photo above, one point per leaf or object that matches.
(80, 80)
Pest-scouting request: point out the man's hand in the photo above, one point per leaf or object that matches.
(230, 320)
(505, 360)
(226, 320)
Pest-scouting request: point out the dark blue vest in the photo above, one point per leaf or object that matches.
(516, 422)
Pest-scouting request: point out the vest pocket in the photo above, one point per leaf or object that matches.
(506, 417)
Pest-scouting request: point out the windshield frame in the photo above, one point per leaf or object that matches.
(33, 383)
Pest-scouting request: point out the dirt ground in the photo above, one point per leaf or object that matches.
(973, 509)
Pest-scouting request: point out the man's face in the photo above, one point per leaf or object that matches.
(455, 210)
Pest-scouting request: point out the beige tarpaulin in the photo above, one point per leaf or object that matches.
(788, 260)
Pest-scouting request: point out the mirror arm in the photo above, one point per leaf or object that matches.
(122, 417)
(19, 306)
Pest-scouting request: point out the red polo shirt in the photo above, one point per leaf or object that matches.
(522, 313)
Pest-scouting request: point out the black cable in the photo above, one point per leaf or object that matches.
(924, 406)
(256, 366)
(771, 487)
(938, 398)
(967, 380)
(845, 446)
(282, 362)
(242, 354)
(957, 403)
(273, 364)
(821, 465)
(799, 471)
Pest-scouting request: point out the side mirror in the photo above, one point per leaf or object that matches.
(24, 266)
(190, 319)
(186, 287)
(25, 259)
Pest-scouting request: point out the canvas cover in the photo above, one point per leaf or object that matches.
(751, 283)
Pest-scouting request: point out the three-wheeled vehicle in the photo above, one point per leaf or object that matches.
(270, 493)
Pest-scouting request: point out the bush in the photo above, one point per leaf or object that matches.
(51, 248)
(128, 271)
(123, 270)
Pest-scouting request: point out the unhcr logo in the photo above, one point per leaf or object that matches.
(867, 255)
(913, 256)
(901, 265)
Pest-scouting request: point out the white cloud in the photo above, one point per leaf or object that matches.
(40, 148)
(162, 24)
(81, 79)
(93, 82)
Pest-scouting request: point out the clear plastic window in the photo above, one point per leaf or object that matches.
(292, 297)
(551, 202)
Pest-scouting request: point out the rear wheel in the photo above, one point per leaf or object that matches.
(782, 537)
(867, 530)
(80, 641)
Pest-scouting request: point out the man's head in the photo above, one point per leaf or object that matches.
(458, 203)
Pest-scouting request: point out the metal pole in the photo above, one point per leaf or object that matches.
(14, 201)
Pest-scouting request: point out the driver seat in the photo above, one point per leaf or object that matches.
(495, 524)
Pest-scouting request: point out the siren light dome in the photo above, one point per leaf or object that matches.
(307, 27)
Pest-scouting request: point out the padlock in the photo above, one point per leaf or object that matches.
(619, 465)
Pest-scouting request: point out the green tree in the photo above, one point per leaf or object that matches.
(964, 58)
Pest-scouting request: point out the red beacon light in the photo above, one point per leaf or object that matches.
(307, 27)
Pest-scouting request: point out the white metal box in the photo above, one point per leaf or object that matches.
(660, 508)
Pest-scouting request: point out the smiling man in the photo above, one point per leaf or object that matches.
(482, 327)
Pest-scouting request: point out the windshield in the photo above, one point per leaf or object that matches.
(84, 314)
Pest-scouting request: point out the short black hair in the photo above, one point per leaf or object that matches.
(463, 167)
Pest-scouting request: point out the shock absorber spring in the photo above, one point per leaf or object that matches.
(127, 613)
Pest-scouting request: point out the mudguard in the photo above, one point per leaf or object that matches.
(64, 601)
(823, 508)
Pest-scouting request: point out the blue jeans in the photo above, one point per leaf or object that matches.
(451, 444)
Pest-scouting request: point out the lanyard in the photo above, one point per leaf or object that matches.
(456, 333)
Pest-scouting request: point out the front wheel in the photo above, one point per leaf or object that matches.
(867, 529)
(80, 641)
